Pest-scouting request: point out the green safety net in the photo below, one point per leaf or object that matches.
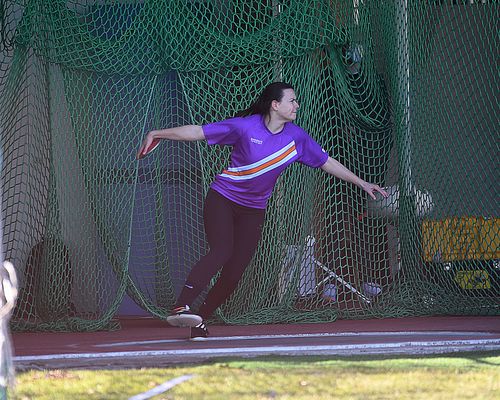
(404, 93)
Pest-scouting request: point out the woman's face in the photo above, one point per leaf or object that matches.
(287, 107)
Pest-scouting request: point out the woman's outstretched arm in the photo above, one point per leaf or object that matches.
(335, 168)
(187, 133)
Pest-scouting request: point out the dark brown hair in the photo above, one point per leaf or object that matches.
(262, 105)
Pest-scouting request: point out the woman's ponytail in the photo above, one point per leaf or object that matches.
(262, 105)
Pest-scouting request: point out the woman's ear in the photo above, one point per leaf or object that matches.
(275, 104)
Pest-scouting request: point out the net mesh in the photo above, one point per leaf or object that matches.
(405, 94)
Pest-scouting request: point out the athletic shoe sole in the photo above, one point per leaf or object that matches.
(184, 320)
(198, 339)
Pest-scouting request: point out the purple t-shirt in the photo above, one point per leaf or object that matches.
(258, 157)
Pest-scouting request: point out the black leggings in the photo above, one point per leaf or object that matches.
(233, 232)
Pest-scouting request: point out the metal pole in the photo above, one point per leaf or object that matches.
(404, 74)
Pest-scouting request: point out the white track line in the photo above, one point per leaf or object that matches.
(491, 344)
(161, 388)
(297, 336)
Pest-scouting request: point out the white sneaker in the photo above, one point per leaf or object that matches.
(183, 317)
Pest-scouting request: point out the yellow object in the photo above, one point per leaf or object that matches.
(461, 238)
(478, 279)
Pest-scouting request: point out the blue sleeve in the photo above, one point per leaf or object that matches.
(225, 132)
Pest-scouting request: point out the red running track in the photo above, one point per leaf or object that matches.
(147, 342)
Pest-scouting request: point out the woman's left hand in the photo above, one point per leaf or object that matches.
(371, 189)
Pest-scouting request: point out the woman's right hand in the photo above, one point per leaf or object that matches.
(186, 133)
(148, 145)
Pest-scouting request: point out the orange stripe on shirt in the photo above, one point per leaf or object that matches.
(261, 167)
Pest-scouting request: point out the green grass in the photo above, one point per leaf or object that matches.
(463, 376)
